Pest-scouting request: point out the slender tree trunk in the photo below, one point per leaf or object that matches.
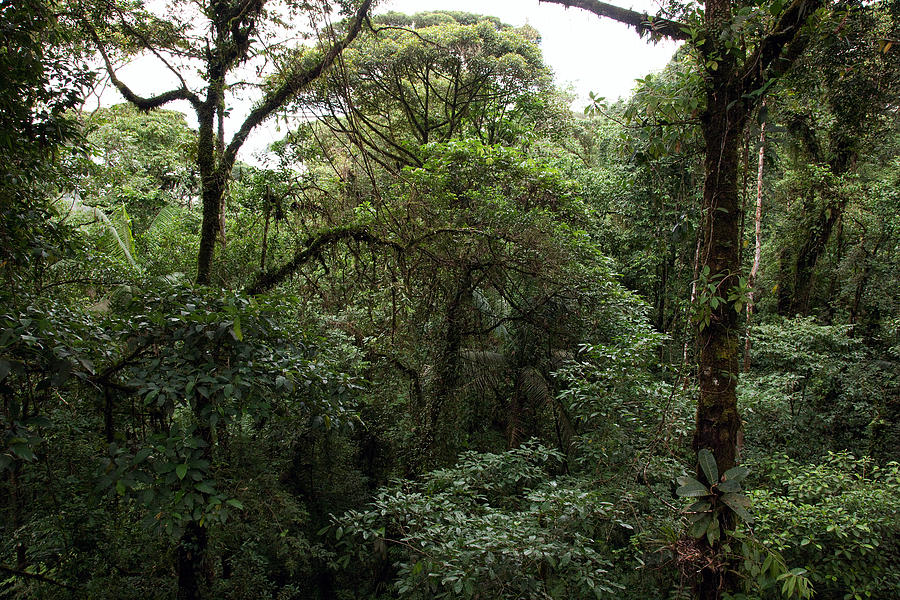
(810, 253)
(220, 152)
(863, 280)
(757, 229)
(209, 228)
(447, 370)
(192, 559)
(265, 239)
(212, 184)
(814, 247)
(108, 427)
(785, 283)
(746, 171)
(687, 336)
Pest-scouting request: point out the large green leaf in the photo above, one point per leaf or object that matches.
(205, 488)
(117, 239)
(691, 488)
(700, 506)
(739, 504)
(698, 510)
(708, 464)
(736, 474)
(729, 486)
(698, 529)
(713, 532)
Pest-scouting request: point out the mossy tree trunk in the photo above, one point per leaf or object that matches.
(735, 82)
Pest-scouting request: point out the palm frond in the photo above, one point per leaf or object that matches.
(116, 240)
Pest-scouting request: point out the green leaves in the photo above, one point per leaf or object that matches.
(691, 488)
(739, 504)
(708, 465)
(736, 474)
(723, 494)
(699, 527)
(468, 531)
(236, 329)
(204, 487)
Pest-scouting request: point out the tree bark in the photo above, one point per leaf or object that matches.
(757, 251)
(212, 184)
(446, 379)
(220, 152)
(690, 308)
(718, 421)
(265, 237)
(191, 562)
(809, 255)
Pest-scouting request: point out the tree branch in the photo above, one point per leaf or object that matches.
(137, 34)
(292, 86)
(784, 34)
(642, 22)
(36, 577)
(312, 248)
(142, 103)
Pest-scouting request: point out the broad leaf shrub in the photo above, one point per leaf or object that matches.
(494, 526)
(815, 388)
(108, 498)
(839, 519)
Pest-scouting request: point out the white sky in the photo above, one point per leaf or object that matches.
(593, 54)
(589, 53)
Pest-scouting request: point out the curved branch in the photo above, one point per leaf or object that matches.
(36, 577)
(293, 86)
(137, 34)
(142, 103)
(313, 248)
(785, 34)
(642, 22)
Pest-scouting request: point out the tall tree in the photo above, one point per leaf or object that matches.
(433, 77)
(232, 34)
(42, 81)
(738, 66)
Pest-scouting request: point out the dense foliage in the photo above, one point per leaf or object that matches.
(451, 347)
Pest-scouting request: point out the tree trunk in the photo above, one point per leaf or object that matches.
(785, 283)
(446, 378)
(731, 93)
(718, 421)
(690, 308)
(265, 243)
(843, 162)
(757, 229)
(809, 255)
(192, 560)
(717, 418)
(213, 188)
(220, 153)
(209, 229)
(190, 565)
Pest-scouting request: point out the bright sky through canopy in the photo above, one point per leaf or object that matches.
(593, 54)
